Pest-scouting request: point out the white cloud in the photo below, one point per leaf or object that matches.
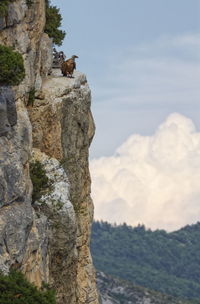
(153, 180)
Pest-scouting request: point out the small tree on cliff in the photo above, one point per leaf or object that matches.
(53, 22)
(12, 70)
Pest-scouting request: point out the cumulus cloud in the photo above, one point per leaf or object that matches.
(152, 180)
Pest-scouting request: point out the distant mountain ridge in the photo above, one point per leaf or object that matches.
(166, 262)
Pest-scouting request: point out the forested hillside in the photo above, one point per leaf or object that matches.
(166, 262)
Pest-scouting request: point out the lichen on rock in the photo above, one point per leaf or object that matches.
(57, 197)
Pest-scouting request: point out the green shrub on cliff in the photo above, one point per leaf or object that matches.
(41, 182)
(4, 7)
(29, 3)
(12, 70)
(53, 22)
(15, 289)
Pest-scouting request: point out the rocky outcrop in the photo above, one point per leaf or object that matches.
(116, 291)
(47, 240)
(63, 129)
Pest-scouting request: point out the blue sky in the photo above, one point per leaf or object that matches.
(142, 61)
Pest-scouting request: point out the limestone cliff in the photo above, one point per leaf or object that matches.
(47, 240)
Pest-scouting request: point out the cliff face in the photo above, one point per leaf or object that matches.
(47, 240)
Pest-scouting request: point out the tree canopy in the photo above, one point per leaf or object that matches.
(12, 70)
(166, 262)
(53, 24)
(15, 289)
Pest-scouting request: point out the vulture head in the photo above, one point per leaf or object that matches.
(74, 56)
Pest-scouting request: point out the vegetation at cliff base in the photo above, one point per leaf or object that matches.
(12, 70)
(41, 182)
(15, 289)
(166, 262)
(53, 23)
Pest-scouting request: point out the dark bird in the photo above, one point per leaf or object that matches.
(68, 66)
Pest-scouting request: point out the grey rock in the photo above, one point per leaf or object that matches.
(16, 12)
(15, 226)
(2, 23)
(4, 124)
(46, 55)
(11, 107)
(8, 114)
(115, 291)
(36, 256)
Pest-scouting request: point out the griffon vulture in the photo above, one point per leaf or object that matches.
(68, 66)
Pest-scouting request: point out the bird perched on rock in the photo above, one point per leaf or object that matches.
(68, 66)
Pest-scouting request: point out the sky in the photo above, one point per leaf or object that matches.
(142, 61)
